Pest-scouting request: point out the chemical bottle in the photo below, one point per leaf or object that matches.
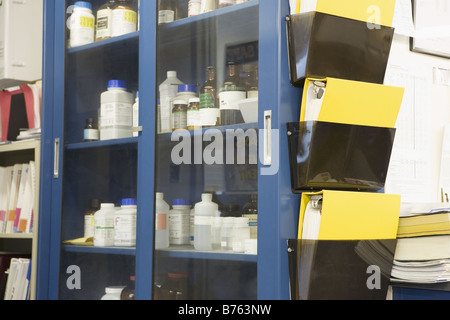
(167, 91)
(128, 293)
(191, 226)
(136, 114)
(90, 131)
(250, 211)
(207, 6)
(225, 234)
(193, 113)
(204, 212)
(209, 109)
(239, 233)
(225, 3)
(82, 24)
(104, 225)
(89, 223)
(167, 11)
(124, 18)
(125, 224)
(113, 293)
(104, 21)
(179, 221)
(216, 229)
(230, 94)
(194, 7)
(161, 222)
(185, 92)
(116, 111)
(252, 90)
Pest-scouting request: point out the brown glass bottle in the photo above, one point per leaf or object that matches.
(209, 110)
(231, 93)
(104, 21)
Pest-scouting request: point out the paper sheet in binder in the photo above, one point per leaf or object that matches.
(372, 11)
(348, 215)
(351, 102)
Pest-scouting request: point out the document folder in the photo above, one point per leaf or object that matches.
(325, 155)
(340, 270)
(364, 10)
(349, 215)
(351, 102)
(322, 45)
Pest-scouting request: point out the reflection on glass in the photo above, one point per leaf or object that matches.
(207, 84)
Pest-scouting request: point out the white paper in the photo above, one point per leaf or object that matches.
(403, 20)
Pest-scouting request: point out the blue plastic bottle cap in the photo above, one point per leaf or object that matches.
(181, 202)
(117, 84)
(186, 88)
(129, 202)
(83, 4)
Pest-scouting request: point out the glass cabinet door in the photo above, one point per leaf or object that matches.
(99, 149)
(206, 170)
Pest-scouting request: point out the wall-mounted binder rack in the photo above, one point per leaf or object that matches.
(326, 155)
(340, 269)
(323, 45)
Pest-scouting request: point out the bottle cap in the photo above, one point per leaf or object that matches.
(129, 202)
(206, 196)
(180, 102)
(171, 74)
(159, 195)
(117, 84)
(181, 202)
(83, 4)
(187, 88)
(194, 100)
(107, 205)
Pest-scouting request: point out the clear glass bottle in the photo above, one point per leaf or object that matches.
(167, 11)
(90, 132)
(104, 21)
(209, 110)
(230, 93)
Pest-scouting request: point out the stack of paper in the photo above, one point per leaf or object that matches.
(18, 283)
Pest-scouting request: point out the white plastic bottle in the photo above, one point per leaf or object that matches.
(125, 224)
(179, 220)
(113, 293)
(204, 213)
(136, 114)
(82, 24)
(116, 106)
(239, 233)
(161, 222)
(124, 19)
(104, 225)
(167, 91)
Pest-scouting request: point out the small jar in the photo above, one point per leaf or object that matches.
(113, 293)
(90, 132)
(193, 114)
(128, 293)
(179, 115)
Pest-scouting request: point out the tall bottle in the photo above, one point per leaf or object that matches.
(230, 94)
(167, 91)
(167, 11)
(205, 211)
(209, 110)
(104, 20)
(124, 18)
(161, 222)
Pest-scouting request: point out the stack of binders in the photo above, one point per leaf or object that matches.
(340, 149)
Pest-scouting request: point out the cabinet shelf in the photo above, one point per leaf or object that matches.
(103, 143)
(222, 129)
(123, 40)
(190, 253)
(16, 235)
(100, 250)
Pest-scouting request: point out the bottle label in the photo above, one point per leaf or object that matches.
(104, 231)
(125, 230)
(229, 99)
(104, 29)
(194, 7)
(161, 221)
(115, 115)
(81, 30)
(209, 116)
(166, 16)
(225, 3)
(179, 120)
(91, 134)
(89, 227)
(123, 21)
(192, 118)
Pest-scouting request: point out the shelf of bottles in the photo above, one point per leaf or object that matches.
(206, 142)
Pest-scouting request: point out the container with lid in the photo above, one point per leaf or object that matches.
(113, 293)
(104, 225)
(179, 222)
(179, 115)
(125, 224)
(81, 24)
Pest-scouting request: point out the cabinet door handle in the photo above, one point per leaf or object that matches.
(267, 137)
(56, 159)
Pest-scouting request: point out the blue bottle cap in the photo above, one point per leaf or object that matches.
(129, 202)
(83, 4)
(187, 88)
(117, 84)
(181, 202)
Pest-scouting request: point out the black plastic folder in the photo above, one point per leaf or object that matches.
(323, 45)
(340, 270)
(326, 155)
